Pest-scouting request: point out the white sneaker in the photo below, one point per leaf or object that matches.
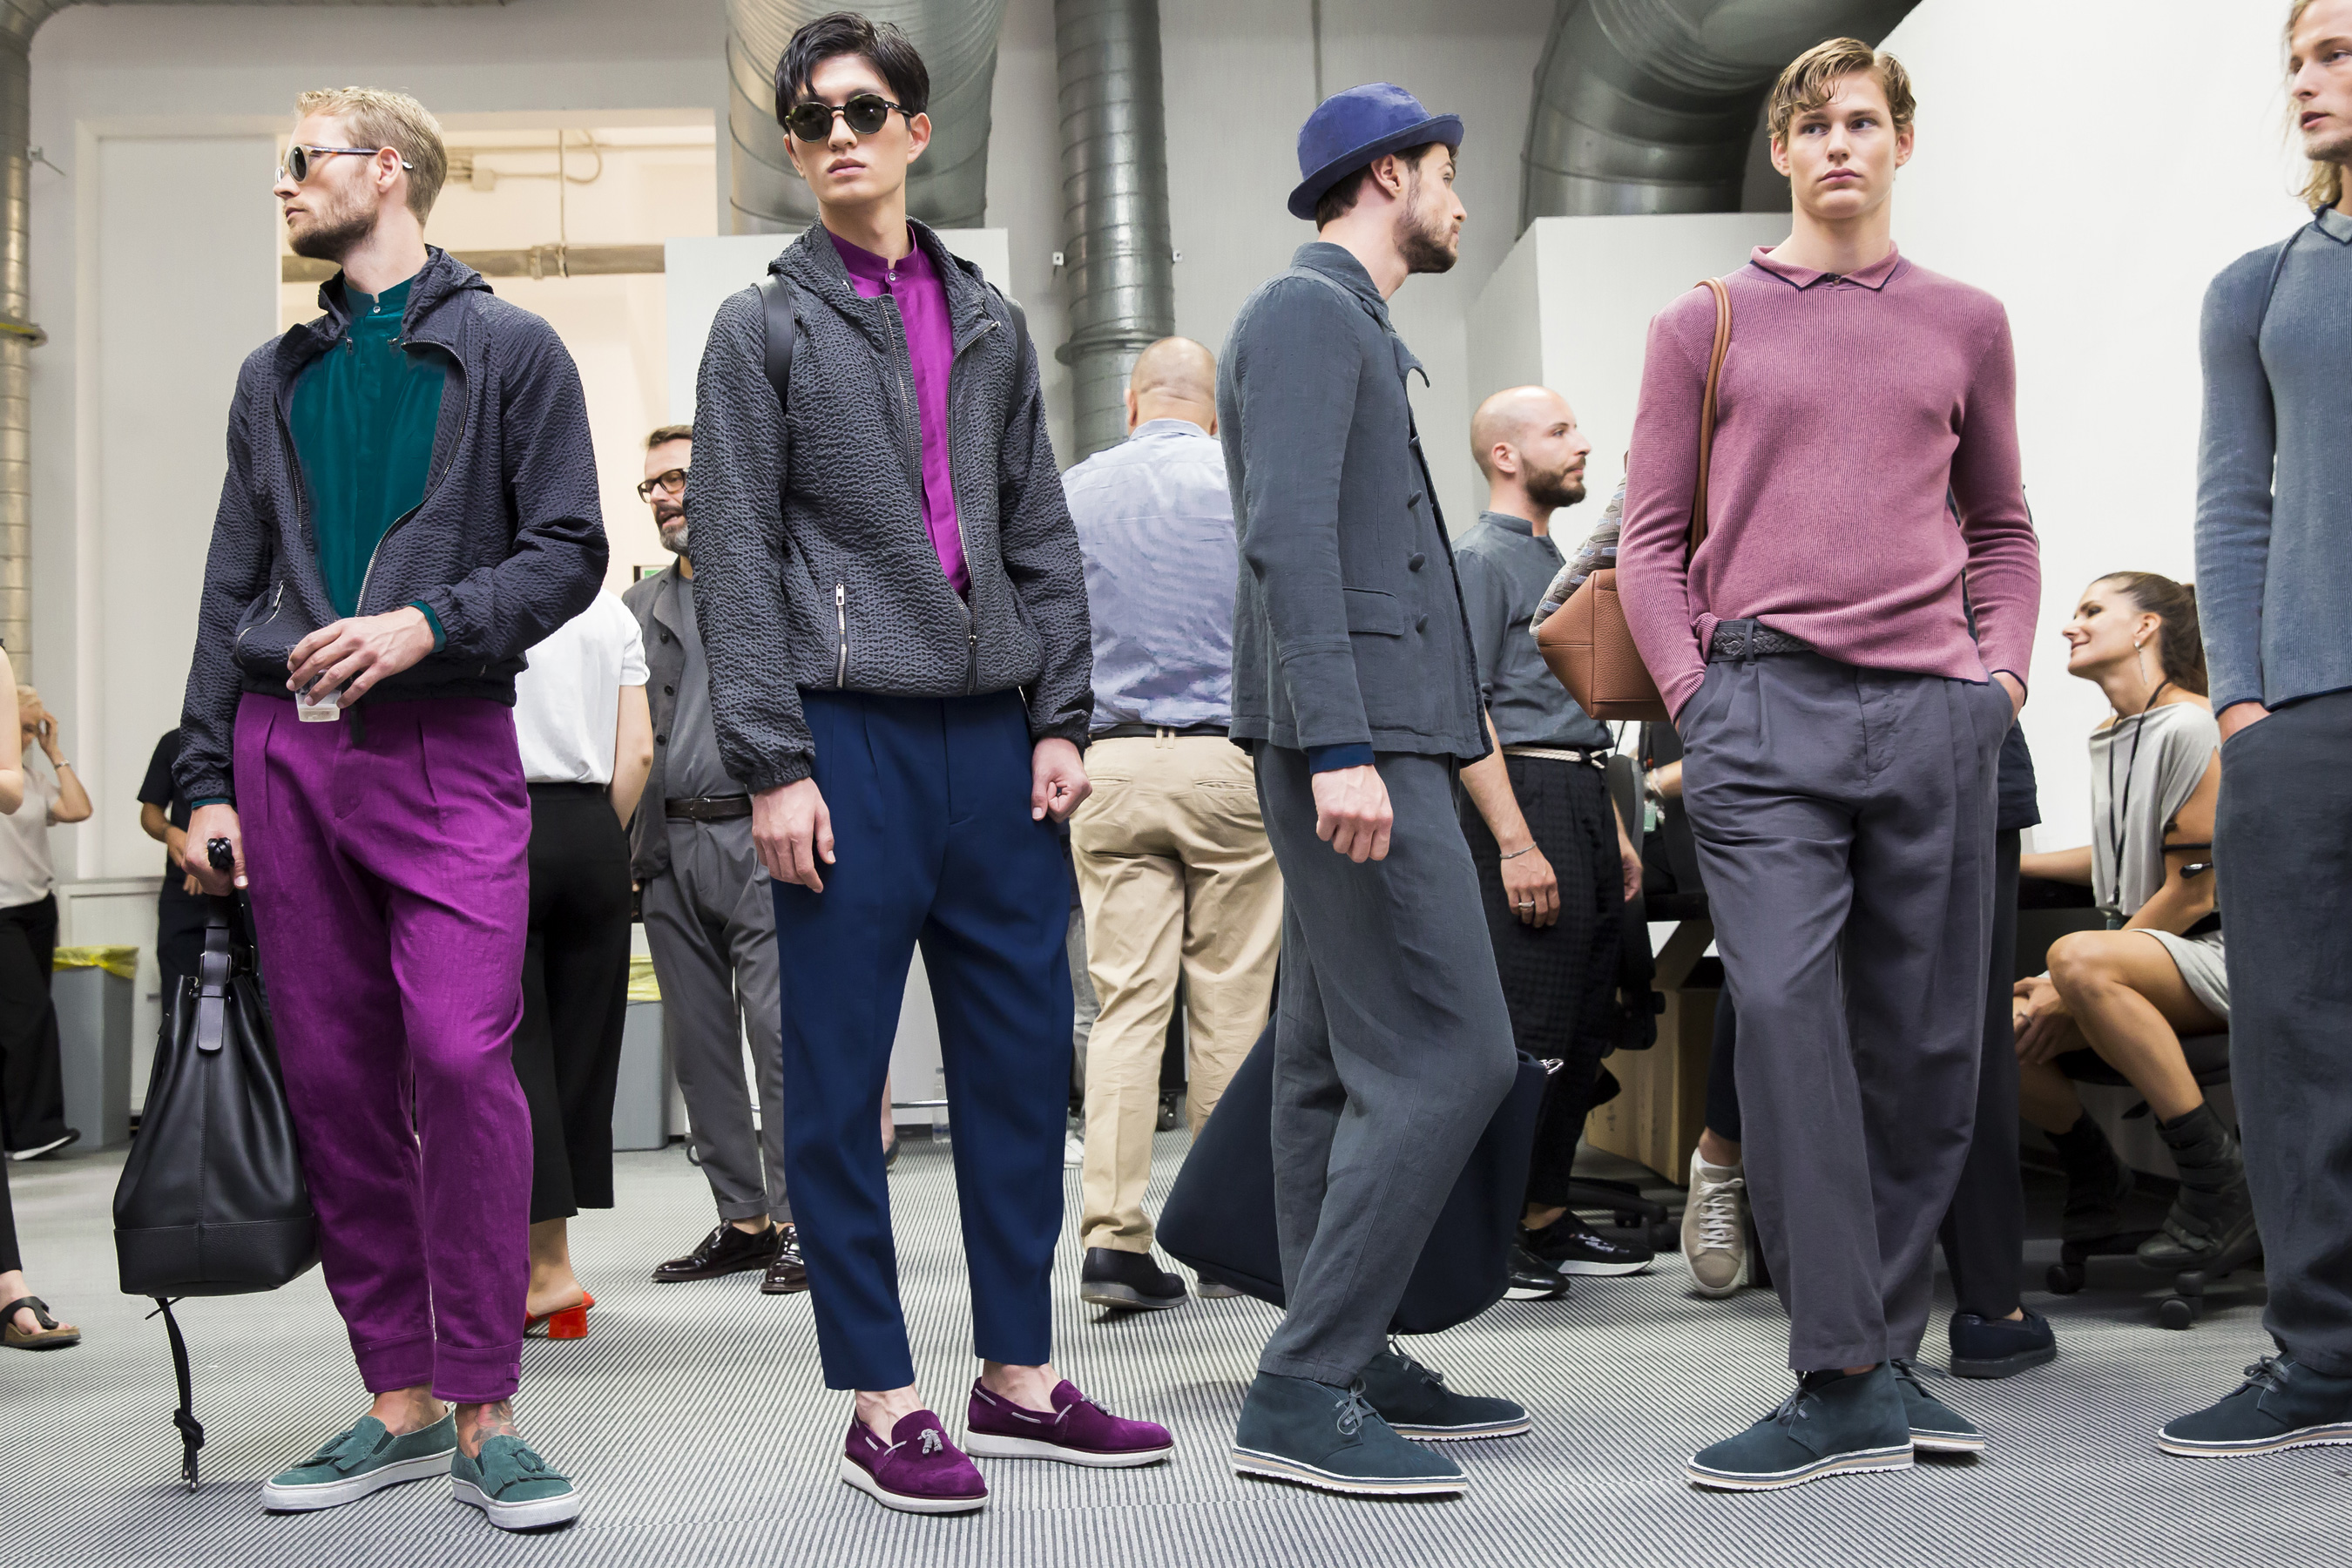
(1074, 1151)
(1715, 1229)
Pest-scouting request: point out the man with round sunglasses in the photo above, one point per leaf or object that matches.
(411, 503)
(895, 615)
(1356, 688)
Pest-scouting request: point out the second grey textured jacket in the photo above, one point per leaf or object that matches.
(1349, 628)
(830, 579)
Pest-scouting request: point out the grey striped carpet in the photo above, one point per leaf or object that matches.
(695, 1420)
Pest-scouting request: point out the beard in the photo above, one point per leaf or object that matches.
(1426, 241)
(2329, 147)
(1558, 489)
(671, 520)
(334, 233)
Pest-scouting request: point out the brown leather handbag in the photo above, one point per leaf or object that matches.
(1586, 641)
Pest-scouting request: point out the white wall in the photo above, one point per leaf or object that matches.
(2035, 183)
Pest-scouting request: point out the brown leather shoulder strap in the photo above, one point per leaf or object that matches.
(1706, 408)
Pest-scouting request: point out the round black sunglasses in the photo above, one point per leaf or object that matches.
(866, 111)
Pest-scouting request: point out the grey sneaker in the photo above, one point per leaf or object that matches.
(361, 1461)
(1715, 1229)
(513, 1486)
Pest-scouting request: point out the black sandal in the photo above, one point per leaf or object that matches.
(46, 1335)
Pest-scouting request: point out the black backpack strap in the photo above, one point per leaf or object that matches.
(2277, 267)
(1019, 347)
(776, 295)
(192, 1431)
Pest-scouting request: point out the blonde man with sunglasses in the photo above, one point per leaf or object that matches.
(411, 503)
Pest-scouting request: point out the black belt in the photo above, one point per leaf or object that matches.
(707, 808)
(1751, 639)
(568, 786)
(1146, 731)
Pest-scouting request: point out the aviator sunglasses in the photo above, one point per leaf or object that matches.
(300, 160)
(866, 111)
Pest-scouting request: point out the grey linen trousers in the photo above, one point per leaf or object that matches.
(2283, 850)
(1844, 824)
(710, 920)
(1392, 1049)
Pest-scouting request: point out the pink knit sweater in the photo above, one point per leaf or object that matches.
(1849, 409)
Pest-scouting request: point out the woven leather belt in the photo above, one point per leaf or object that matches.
(1560, 754)
(1751, 639)
(707, 808)
(1146, 731)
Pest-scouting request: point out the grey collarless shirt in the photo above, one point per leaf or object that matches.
(694, 767)
(1504, 568)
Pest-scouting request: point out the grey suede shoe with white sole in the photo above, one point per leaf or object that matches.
(360, 1461)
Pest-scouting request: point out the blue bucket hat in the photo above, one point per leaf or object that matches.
(1350, 129)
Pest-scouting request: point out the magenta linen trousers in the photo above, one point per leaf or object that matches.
(387, 856)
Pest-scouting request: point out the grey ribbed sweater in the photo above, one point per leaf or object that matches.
(2275, 470)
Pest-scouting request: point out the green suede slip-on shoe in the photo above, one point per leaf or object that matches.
(1315, 1435)
(513, 1486)
(1936, 1426)
(2282, 1404)
(364, 1460)
(1415, 1402)
(1833, 1426)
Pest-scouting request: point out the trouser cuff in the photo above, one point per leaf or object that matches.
(1332, 1373)
(464, 1375)
(752, 1209)
(2326, 1363)
(1113, 1238)
(394, 1364)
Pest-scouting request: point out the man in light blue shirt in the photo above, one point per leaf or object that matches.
(1174, 866)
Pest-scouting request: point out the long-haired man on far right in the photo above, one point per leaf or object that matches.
(1841, 713)
(2274, 568)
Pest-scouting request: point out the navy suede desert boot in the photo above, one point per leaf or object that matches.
(2282, 1404)
(1314, 1435)
(1936, 1426)
(1415, 1402)
(1833, 1424)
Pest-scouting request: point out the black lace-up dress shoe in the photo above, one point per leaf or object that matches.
(725, 1250)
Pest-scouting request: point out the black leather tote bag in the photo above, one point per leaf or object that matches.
(1219, 1216)
(212, 1200)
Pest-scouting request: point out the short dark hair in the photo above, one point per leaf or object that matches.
(669, 432)
(1340, 199)
(880, 44)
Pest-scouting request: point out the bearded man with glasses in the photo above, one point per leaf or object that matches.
(411, 503)
(895, 614)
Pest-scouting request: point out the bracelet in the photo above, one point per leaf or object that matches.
(1516, 853)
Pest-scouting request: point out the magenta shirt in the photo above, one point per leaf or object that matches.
(1849, 409)
(922, 301)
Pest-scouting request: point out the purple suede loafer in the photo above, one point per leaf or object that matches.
(1078, 1432)
(918, 1471)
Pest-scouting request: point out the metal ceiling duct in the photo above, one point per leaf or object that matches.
(1117, 256)
(1649, 105)
(19, 20)
(947, 187)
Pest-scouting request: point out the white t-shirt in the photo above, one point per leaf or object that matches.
(27, 875)
(568, 703)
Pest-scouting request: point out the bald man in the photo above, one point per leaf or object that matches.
(1555, 864)
(1174, 870)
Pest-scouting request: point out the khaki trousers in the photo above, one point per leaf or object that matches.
(1176, 876)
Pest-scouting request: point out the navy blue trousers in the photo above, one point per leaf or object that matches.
(933, 844)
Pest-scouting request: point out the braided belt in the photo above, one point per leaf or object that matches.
(1751, 639)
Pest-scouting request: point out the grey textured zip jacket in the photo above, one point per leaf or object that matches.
(828, 579)
(506, 545)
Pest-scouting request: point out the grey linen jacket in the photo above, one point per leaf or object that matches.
(1349, 628)
(831, 579)
(2275, 470)
(506, 545)
(654, 601)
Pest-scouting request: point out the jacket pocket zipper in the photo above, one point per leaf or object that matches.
(277, 597)
(841, 623)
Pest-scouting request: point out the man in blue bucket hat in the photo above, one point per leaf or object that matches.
(1355, 688)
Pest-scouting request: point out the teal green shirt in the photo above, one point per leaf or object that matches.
(363, 420)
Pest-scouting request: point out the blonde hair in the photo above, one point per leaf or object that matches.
(2323, 186)
(379, 117)
(1812, 78)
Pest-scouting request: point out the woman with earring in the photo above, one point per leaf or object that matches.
(2132, 992)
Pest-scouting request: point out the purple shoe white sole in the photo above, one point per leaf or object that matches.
(1078, 1432)
(918, 1471)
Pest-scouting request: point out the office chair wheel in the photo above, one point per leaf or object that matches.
(2064, 1278)
(1627, 1220)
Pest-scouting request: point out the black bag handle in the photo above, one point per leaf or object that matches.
(212, 972)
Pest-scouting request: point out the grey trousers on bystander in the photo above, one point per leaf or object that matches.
(1844, 824)
(1392, 1049)
(2283, 850)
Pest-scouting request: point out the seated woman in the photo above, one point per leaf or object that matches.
(2133, 992)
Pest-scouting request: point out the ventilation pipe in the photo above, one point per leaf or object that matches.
(19, 20)
(947, 188)
(1650, 106)
(1115, 205)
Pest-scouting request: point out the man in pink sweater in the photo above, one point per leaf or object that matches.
(1843, 657)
